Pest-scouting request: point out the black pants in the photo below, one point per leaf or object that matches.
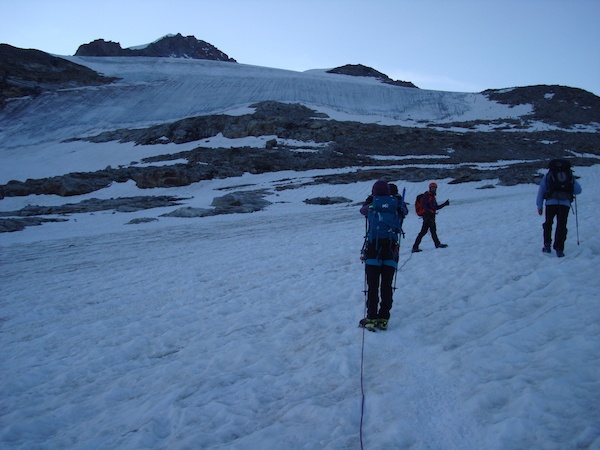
(379, 278)
(428, 225)
(561, 212)
(381, 262)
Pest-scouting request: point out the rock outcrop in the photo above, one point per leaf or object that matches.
(29, 216)
(176, 46)
(240, 202)
(558, 105)
(33, 72)
(358, 70)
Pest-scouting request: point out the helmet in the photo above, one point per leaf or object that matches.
(432, 185)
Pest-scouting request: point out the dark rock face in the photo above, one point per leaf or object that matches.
(100, 47)
(32, 72)
(358, 70)
(560, 105)
(176, 46)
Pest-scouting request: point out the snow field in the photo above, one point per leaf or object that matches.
(241, 331)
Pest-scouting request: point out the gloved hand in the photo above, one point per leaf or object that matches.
(446, 203)
(540, 211)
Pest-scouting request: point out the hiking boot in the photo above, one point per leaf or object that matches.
(560, 253)
(382, 324)
(369, 324)
(546, 249)
(441, 246)
(416, 250)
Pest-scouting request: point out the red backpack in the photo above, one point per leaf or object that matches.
(419, 205)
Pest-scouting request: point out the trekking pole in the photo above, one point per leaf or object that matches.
(396, 271)
(400, 236)
(362, 369)
(403, 206)
(576, 220)
(363, 259)
(363, 250)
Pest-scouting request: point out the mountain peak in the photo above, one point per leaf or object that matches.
(358, 70)
(169, 46)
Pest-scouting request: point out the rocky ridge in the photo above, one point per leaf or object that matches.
(26, 72)
(559, 105)
(358, 70)
(172, 46)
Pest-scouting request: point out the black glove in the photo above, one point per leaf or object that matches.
(446, 203)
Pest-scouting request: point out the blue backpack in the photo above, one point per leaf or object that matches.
(383, 219)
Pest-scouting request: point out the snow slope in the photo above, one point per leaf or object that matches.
(240, 331)
(158, 90)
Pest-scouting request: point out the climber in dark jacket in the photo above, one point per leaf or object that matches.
(430, 207)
